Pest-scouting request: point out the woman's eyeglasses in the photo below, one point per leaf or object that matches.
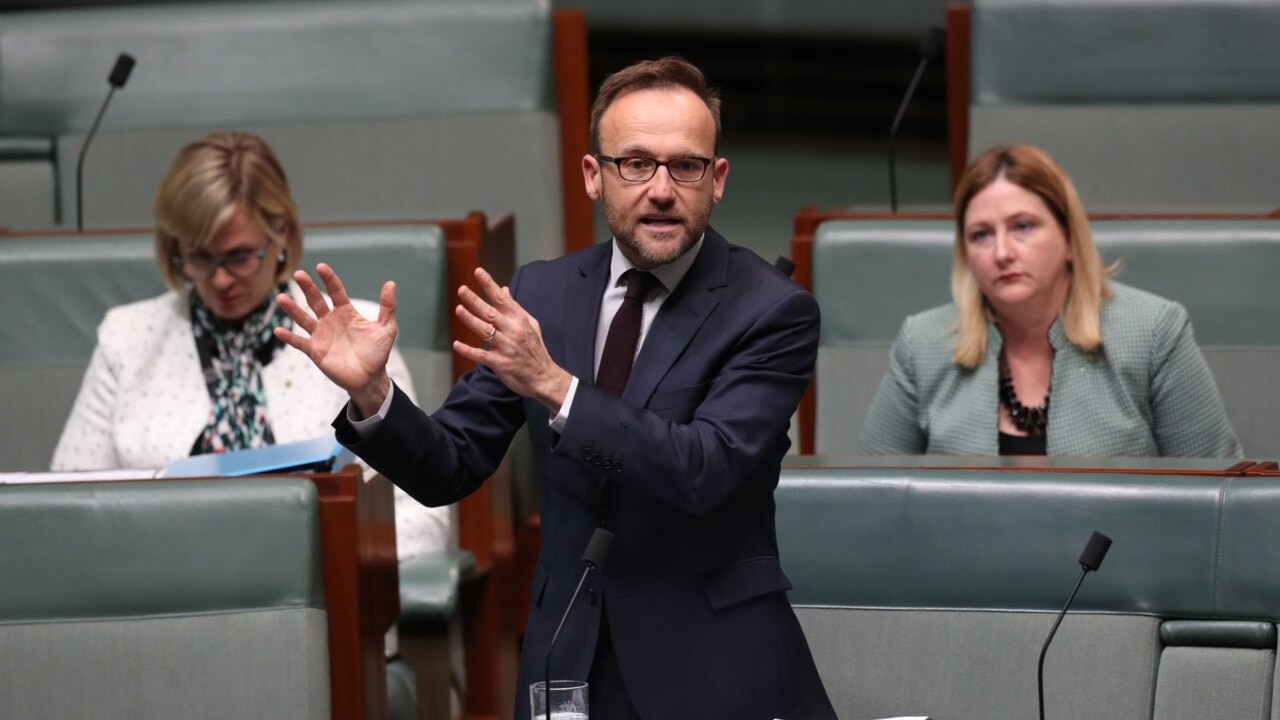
(241, 263)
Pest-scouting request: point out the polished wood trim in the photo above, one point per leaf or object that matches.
(802, 256)
(485, 526)
(361, 589)
(1036, 465)
(958, 87)
(573, 107)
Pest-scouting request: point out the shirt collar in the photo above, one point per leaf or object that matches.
(669, 274)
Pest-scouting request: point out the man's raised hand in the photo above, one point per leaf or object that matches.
(515, 350)
(349, 349)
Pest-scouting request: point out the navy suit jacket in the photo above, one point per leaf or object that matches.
(681, 468)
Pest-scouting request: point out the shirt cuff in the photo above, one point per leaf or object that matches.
(364, 428)
(558, 422)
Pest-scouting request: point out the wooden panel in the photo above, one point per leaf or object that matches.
(361, 588)
(573, 106)
(958, 87)
(485, 525)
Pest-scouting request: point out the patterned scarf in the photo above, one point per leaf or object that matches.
(232, 360)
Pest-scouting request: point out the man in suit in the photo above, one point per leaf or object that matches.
(657, 404)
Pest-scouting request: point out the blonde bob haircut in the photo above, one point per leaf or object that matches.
(1033, 170)
(209, 179)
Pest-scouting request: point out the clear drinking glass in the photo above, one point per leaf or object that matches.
(568, 700)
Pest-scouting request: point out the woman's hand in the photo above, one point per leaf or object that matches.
(349, 349)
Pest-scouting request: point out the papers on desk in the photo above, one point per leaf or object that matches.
(25, 478)
(322, 454)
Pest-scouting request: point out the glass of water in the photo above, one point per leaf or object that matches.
(567, 700)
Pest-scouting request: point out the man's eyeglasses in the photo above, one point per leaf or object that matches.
(241, 264)
(688, 169)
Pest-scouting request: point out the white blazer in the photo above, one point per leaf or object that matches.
(144, 400)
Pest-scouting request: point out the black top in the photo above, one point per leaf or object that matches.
(1022, 444)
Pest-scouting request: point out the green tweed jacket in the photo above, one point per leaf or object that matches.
(1146, 392)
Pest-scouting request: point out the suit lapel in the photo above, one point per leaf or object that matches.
(582, 312)
(679, 319)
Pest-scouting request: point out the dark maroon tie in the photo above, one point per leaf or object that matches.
(624, 333)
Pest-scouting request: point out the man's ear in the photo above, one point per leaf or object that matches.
(591, 176)
(719, 174)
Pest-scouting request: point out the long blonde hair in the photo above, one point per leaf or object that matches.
(209, 179)
(1033, 170)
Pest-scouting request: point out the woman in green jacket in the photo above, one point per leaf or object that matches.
(1039, 353)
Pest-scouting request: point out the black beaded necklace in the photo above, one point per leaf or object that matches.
(1030, 420)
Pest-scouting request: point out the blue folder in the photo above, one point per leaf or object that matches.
(322, 454)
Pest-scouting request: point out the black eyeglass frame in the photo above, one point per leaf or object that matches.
(186, 265)
(617, 162)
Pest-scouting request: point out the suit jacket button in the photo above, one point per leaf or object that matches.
(607, 463)
(617, 466)
(586, 454)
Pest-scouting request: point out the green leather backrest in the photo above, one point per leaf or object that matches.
(1148, 105)
(868, 276)
(58, 288)
(77, 551)
(1153, 51)
(379, 110)
(155, 600)
(1184, 546)
(229, 64)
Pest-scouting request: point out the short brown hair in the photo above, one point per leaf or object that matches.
(209, 179)
(1031, 169)
(666, 72)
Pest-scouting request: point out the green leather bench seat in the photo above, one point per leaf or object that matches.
(59, 288)
(387, 109)
(926, 591)
(142, 601)
(1156, 104)
(869, 275)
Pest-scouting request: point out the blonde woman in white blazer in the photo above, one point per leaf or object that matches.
(197, 370)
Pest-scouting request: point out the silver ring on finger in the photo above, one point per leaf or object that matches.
(493, 330)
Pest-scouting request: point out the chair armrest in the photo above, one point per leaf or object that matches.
(25, 147)
(429, 587)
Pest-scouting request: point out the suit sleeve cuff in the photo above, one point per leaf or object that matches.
(365, 427)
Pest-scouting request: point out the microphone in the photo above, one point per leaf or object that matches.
(1090, 560)
(930, 48)
(118, 77)
(596, 553)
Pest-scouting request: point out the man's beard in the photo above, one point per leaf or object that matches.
(624, 229)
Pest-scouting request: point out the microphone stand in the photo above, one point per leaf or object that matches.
(119, 76)
(893, 133)
(597, 552)
(1091, 559)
